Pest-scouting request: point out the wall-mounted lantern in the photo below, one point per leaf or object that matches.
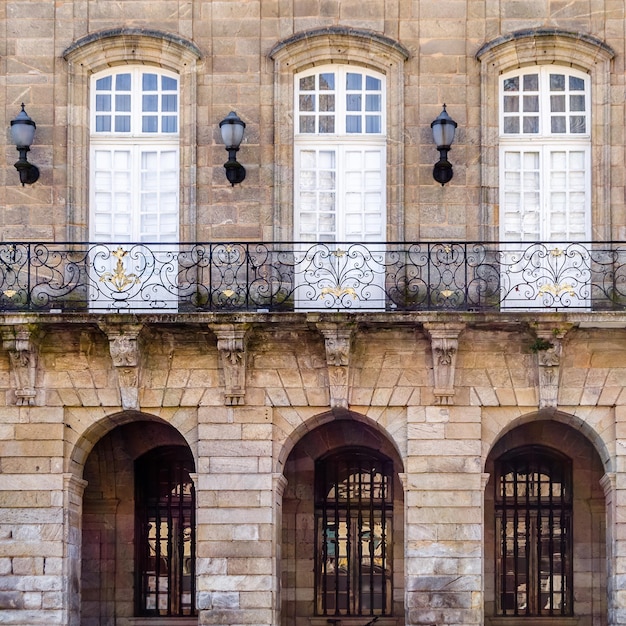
(444, 128)
(22, 135)
(231, 129)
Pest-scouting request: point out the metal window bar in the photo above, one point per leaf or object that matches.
(163, 504)
(353, 503)
(543, 541)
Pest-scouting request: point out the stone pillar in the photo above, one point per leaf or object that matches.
(236, 526)
(73, 490)
(444, 516)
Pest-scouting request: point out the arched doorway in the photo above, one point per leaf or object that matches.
(342, 552)
(545, 527)
(138, 528)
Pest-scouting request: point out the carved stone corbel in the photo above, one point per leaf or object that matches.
(549, 348)
(231, 345)
(124, 349)
(20, 341)
(444, 343)
(337, 340)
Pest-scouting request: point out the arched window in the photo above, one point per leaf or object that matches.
(165, 534)
(533, 532)
(339, 91)
(353, 530)
(571, 109)
(134, 141)
(545, 155)
(115, 53)
(340, 163)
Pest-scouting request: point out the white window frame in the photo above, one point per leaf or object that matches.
(136, 142)
(341, 142)
(544, 142)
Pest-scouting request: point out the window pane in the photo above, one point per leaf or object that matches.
(327, 82)
(511, 125)
(170, 124)
(327, 124)
(557, 82)
(557, 104)
(122, 82)
(353, 102)
(511, 104)
(307, 102)
(104, 84)
(122, 103)
(354, 81)
(511, 84)
(531, 124)
(373, 124)
(353, 123)
(577, 103)
(531, 82)
(558, 124)
(307, 124)
(150, 124)
(531, 104)
(150, 103)
(373, 102)
(122, 123)
(103, 123)
(307, 83)
(169, 103)
(103, 102)
(372, 84)
(327, 102)
(169, 84)
(576, 83)
(149, 82)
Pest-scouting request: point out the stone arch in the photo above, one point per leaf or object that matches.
(120, 46)
(339, 416)
(84, 443)
(326, 433)
(568, 435)
(101, 508)
(575, 422)
(337, 45)
(539, 47)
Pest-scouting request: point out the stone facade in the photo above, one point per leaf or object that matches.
(258, 397)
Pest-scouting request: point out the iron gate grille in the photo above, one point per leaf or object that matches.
(353, 517)
(534, 530)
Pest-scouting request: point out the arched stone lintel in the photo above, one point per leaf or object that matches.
(544, 45)
(121, 45)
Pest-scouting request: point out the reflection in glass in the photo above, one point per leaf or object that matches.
(354, 504)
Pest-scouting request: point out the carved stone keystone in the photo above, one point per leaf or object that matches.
(124, 348)
(20, 341)
(444, 343)
(549, 350)
(231, 344)
(338, 340)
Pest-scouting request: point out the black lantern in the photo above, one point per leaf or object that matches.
(22, 135)
(444, 128)
(231, 128)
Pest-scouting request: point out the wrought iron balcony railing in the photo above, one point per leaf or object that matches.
(279, 276)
